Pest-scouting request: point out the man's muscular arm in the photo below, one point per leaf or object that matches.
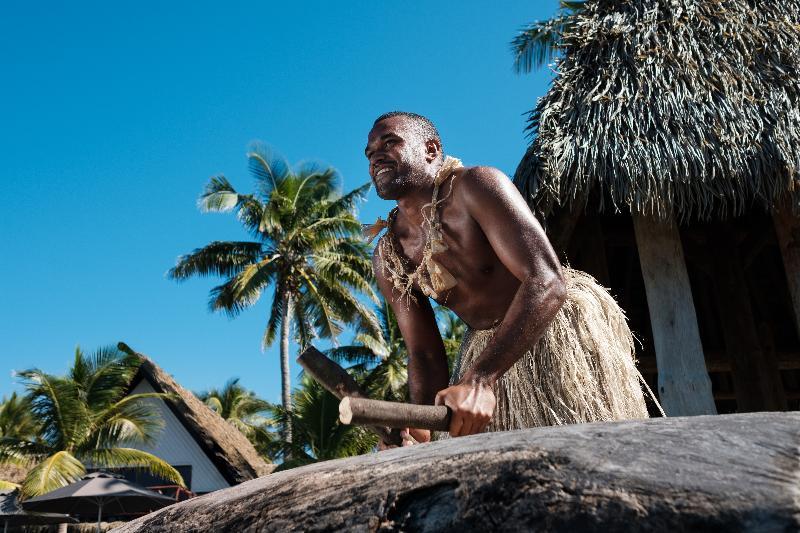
(496, 205)
(427, 361)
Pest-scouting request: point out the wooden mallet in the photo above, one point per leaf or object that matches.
(366, 412)
(341, 384)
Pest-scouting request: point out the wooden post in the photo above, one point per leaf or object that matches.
(787, 228)
(683, 384)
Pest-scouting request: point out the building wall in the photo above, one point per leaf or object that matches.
(176, 446)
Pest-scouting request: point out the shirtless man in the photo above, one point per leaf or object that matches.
(507, 274)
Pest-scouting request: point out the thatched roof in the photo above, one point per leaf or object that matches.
(229, 450)
(680, 108)
(13, 473)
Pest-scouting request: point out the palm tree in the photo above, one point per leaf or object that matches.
(379, 360)
(85, 418)
(16, 419)
(245, 411)
(307, 250)
(452, 330)
(318, 434)
(539, 42)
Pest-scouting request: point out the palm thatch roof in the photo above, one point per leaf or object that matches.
(671, 108)
(229, 450)
(13, 473)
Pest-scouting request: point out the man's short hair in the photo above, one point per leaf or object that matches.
(422, 126)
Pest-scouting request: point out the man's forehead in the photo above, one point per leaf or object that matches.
(394, 125)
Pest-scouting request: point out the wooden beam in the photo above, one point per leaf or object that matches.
(787, 229)
(684, 387)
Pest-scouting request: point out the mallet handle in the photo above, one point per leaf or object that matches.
(363, 411)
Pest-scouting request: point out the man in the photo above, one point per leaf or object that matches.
(466, 238)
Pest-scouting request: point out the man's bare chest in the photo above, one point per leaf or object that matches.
(483, 286)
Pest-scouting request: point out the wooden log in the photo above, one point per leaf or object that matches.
(338, 382)
(365, 412)
(787, 229)
(684, 387)
(701, 473)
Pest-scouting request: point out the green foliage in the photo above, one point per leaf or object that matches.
(539, 42)
(16, 419)
(379, 359)
(317, 433)
(85, 418)
(246, 412)
(307, 251)
(452, 330)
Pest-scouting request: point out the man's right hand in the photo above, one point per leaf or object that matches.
(410, 437)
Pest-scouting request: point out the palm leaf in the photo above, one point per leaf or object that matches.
(219, 196)
(267, 167)
(110, 373)
(214, 404)
(131, 420)
(22, 452)
(220, 258)
(243, 290)
(353, 355)
(58, 470)
(7, 485)
(127, 457)
(539, 42)
(56, 403)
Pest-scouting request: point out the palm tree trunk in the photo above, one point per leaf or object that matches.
(286, 389)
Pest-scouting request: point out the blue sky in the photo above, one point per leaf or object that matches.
(115, 115)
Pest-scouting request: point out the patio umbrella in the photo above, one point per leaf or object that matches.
(11, 514)
(99, 492)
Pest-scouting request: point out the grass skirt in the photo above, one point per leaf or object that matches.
(581, 370)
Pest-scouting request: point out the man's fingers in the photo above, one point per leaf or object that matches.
(470, 426)
(456, 423)
(420, 435)
(438, 400)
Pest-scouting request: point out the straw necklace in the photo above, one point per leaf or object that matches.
(433, 279)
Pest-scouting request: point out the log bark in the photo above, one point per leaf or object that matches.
(364, 412)
(706, 473)
(684, 387)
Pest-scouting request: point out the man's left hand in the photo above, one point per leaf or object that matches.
(472, 406)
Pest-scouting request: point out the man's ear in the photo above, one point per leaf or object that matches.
(432, 150)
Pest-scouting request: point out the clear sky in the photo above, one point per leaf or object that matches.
(114, 115)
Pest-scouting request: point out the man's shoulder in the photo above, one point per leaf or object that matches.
(476, 181)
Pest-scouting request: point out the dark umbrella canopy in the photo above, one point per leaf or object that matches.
(11, 514)
(113, 494)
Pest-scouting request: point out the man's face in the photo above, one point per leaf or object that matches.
(396, 157)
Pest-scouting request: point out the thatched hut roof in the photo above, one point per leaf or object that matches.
(229, 450)
(13, 473)
(679, 108)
